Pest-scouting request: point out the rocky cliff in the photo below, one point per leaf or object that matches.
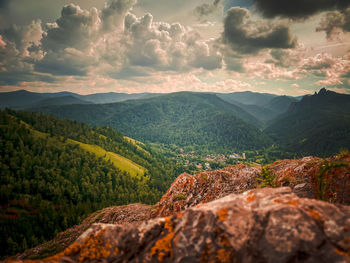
(215, 217)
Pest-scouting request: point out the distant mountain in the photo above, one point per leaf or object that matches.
(23, 99)
(112, 97)
(263, 106)
(63, 100)
(280, 104)
(19, 98)
(317, 125)
(184, 119)
(247, 97)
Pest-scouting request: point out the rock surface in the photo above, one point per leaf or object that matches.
(189, 190)
(309, 177)
(132, 213)
(312, 177)
(261, 225)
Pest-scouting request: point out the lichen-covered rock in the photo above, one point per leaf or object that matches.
(189, 190)
(132, 213)
(261, 225)
(326, 179)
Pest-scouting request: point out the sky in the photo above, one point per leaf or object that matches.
(91, 46)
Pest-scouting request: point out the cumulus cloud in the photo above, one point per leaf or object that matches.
(16, 66)
(113, 14)
(166, 46)
(335, 22)
(76, 28)
(298, 9)
(24, 36)
(249, 37)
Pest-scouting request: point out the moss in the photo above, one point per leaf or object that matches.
(343, 153)
(325, 187)
(266, 178)
(180, 197)
(49, 251)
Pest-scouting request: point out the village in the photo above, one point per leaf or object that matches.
(208, 162)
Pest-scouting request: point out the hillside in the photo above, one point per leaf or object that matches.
(60, 100)
(247, 97)
(112, 97)
(22, 99)
(55, 172)
(198, 120)
(209, 208)
(317, 125)
(265, 107)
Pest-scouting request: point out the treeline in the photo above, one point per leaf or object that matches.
(47, 184)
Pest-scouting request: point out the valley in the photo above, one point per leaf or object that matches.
(64, 157)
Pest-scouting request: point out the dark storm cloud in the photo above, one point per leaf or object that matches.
(335, 20)
(4, 4)
(249, 37)
(206, 9)
(298, 9)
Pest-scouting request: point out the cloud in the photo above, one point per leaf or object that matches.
(24, 36)
(16, 66)
(286, 58)
(70, 61)
(76, 28)
(112, 15)
(249, 37)
(206, 9)
(164, 46)
(334, 22)
(298, 9)
(333, 70)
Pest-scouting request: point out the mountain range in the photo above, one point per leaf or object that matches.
(318, 124)
(314, 124)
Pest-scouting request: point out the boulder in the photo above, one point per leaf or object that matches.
(260, 225)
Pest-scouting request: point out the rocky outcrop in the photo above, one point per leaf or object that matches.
(326, 179)
(133, 213)
(309, 177)
(189, 190)
(261, 225)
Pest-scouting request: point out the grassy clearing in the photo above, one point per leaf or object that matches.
(119, 161)
(136, 143)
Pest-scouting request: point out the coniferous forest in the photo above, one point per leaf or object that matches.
(49, 184)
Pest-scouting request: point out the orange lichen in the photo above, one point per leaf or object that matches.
(342, 253)
(292, 202)
(223, 240)
(286, 202)
(116, 251)
(223, 256)
(163, 246)
(94, 247)
(223, 214)
(251, 198)
(315, 215)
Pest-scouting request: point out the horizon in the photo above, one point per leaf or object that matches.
(162, 93)
(220, 46)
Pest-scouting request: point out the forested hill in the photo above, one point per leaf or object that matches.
(184, 119)
(55, 172)
(317, 125)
